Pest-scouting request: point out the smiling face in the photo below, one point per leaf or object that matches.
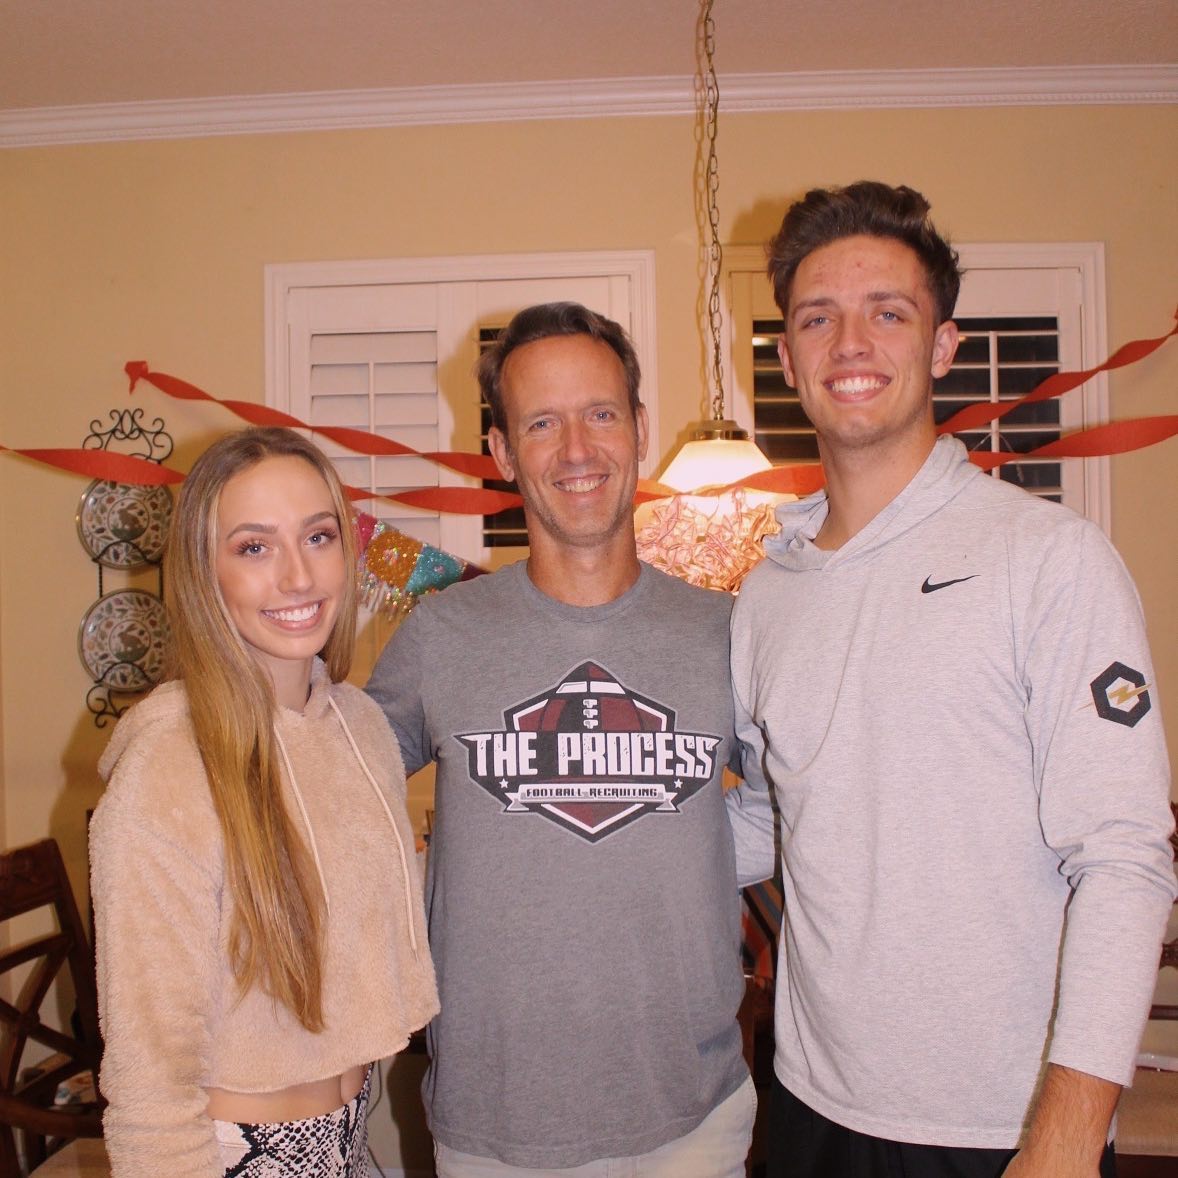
(572, 443)
(862, 346)
(280, 567)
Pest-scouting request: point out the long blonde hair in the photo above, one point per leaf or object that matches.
(275, 928)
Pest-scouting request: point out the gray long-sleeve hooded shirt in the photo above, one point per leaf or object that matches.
(957, 713)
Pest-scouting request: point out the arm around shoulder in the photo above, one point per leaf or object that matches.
(751, 812)
(396, 686)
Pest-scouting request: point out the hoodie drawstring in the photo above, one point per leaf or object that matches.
(408, 889)
(298, 793)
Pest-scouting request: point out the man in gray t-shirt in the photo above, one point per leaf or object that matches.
(582, 892)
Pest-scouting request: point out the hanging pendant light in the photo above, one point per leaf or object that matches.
(719, 451)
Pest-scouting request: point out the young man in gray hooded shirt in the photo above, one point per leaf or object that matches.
(946, 683)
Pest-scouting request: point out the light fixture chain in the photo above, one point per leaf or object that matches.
(712, 183)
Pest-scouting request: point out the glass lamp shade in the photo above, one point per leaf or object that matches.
(719, 453)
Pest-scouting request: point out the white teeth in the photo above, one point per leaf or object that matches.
(590, 484)
(303, 614)
(857, 384)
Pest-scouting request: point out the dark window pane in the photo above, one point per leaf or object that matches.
(1034, 413)
(781, 413)
(1006, 323)
(973, 383)
(1019, 381)
(768, 383)
(973, 349)
(1017, 349)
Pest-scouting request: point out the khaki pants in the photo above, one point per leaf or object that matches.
(715, 1148)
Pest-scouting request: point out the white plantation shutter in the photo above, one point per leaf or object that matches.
(385, 383)
(351, 367)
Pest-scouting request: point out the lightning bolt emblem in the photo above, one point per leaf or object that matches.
(1123, 695)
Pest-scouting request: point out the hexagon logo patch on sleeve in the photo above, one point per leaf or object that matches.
(1121, 694)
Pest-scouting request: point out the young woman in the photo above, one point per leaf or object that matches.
(260, 934)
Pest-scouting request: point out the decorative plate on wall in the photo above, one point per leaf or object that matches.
(124, 526)
(122, 640)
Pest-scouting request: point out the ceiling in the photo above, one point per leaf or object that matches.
(56, 53)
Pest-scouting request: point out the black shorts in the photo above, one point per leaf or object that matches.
(804, 1144)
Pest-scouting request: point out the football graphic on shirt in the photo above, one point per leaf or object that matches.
(591, 755)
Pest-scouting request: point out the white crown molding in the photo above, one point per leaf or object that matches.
(600, 98)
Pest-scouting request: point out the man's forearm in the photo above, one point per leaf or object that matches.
(1069, 1128)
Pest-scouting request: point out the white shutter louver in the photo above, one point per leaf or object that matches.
(386, 383)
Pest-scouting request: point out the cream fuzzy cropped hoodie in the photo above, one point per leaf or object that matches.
(172, 1017)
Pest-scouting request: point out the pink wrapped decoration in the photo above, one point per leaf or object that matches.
(711, 541)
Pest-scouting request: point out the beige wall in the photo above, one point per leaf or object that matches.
(155, 251)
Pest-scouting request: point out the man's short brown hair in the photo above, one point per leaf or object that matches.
(542, 322)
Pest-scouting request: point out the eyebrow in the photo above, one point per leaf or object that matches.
(875, 296)
(270, 529)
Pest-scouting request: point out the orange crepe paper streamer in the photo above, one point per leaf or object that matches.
(1118, 437)
(1054, 386)
(479, 466)
(141, 472)
(800, 479)
(450, 500)
(102, 464)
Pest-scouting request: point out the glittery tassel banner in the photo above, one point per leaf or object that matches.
(396, 570)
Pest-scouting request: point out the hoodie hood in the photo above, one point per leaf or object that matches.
(946, 471)
(168, 703)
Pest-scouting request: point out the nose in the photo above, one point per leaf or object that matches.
(576, 442)
(294, 574)
(851, 338)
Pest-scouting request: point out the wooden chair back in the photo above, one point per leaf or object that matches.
(32, 878)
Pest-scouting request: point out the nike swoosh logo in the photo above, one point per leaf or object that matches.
(930, 587)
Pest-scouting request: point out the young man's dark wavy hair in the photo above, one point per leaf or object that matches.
(867, 208)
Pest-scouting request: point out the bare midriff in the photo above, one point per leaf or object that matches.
(296, 1103)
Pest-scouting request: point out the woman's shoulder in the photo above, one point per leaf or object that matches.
(153, 768)
(162, 715)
